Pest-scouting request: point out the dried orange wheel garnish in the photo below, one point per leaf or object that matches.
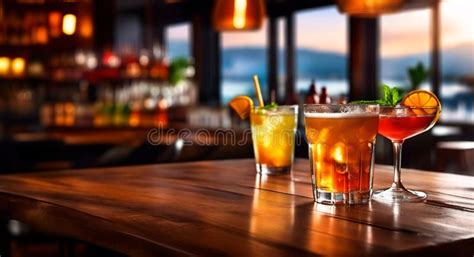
(423, 102)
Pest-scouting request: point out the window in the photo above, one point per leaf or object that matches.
(457, 60)
(243, 55)
(178, 40)
(321, 41)
(405, 41)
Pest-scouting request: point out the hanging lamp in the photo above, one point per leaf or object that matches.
(238, 14)
(369, 8)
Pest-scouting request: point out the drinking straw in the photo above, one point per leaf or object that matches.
(257, 89)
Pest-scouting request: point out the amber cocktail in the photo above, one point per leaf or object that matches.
(341, 146)
(273, 136)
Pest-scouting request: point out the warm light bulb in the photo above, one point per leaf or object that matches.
(4, 65)
(370, 5)
(240, 9)
(18, 66)
(69, 24)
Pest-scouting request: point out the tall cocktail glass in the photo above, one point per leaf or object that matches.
(273, 136)
(341, 142)
(398, 124)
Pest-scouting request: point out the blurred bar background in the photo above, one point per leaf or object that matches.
(89, 83)
(83, 82)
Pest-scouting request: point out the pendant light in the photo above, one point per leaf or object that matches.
(369, 8)
(238, 14)
(69, 24)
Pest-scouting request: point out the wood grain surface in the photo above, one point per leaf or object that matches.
(223, 208)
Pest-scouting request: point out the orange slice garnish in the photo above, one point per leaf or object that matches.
(242, 105)
(419, 99)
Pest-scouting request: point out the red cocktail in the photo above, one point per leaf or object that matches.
(398, 128)
(398, 124)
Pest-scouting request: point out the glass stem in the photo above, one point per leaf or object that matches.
(397, 165)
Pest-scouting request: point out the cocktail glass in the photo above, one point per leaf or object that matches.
(341, 142)
(398, 124)
(273, 136)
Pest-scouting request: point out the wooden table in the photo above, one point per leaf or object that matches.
(222, 208)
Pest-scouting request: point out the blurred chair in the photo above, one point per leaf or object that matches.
(456, 157)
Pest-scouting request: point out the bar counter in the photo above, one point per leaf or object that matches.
(223, 208)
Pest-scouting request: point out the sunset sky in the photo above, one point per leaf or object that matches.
(401, 34)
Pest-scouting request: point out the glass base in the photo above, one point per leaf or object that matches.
(264, 169)
(326, 197)
(397, 195)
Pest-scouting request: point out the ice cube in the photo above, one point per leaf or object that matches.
(339, 152)
(322, 136)
(339, 155)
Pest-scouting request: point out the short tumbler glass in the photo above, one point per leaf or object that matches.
(273, 136)
(341, 142)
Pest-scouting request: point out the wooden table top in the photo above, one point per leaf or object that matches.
(223, 208)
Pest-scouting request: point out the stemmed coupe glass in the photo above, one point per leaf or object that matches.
(398, 124)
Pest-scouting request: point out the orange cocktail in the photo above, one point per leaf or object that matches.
(273, 136)
(341, 143)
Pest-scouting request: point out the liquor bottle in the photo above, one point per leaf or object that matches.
(312, 95)
(324, 97)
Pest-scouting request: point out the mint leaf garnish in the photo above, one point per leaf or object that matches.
(264, 109)
(391, 97)
(387, 94)
(273, 105)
